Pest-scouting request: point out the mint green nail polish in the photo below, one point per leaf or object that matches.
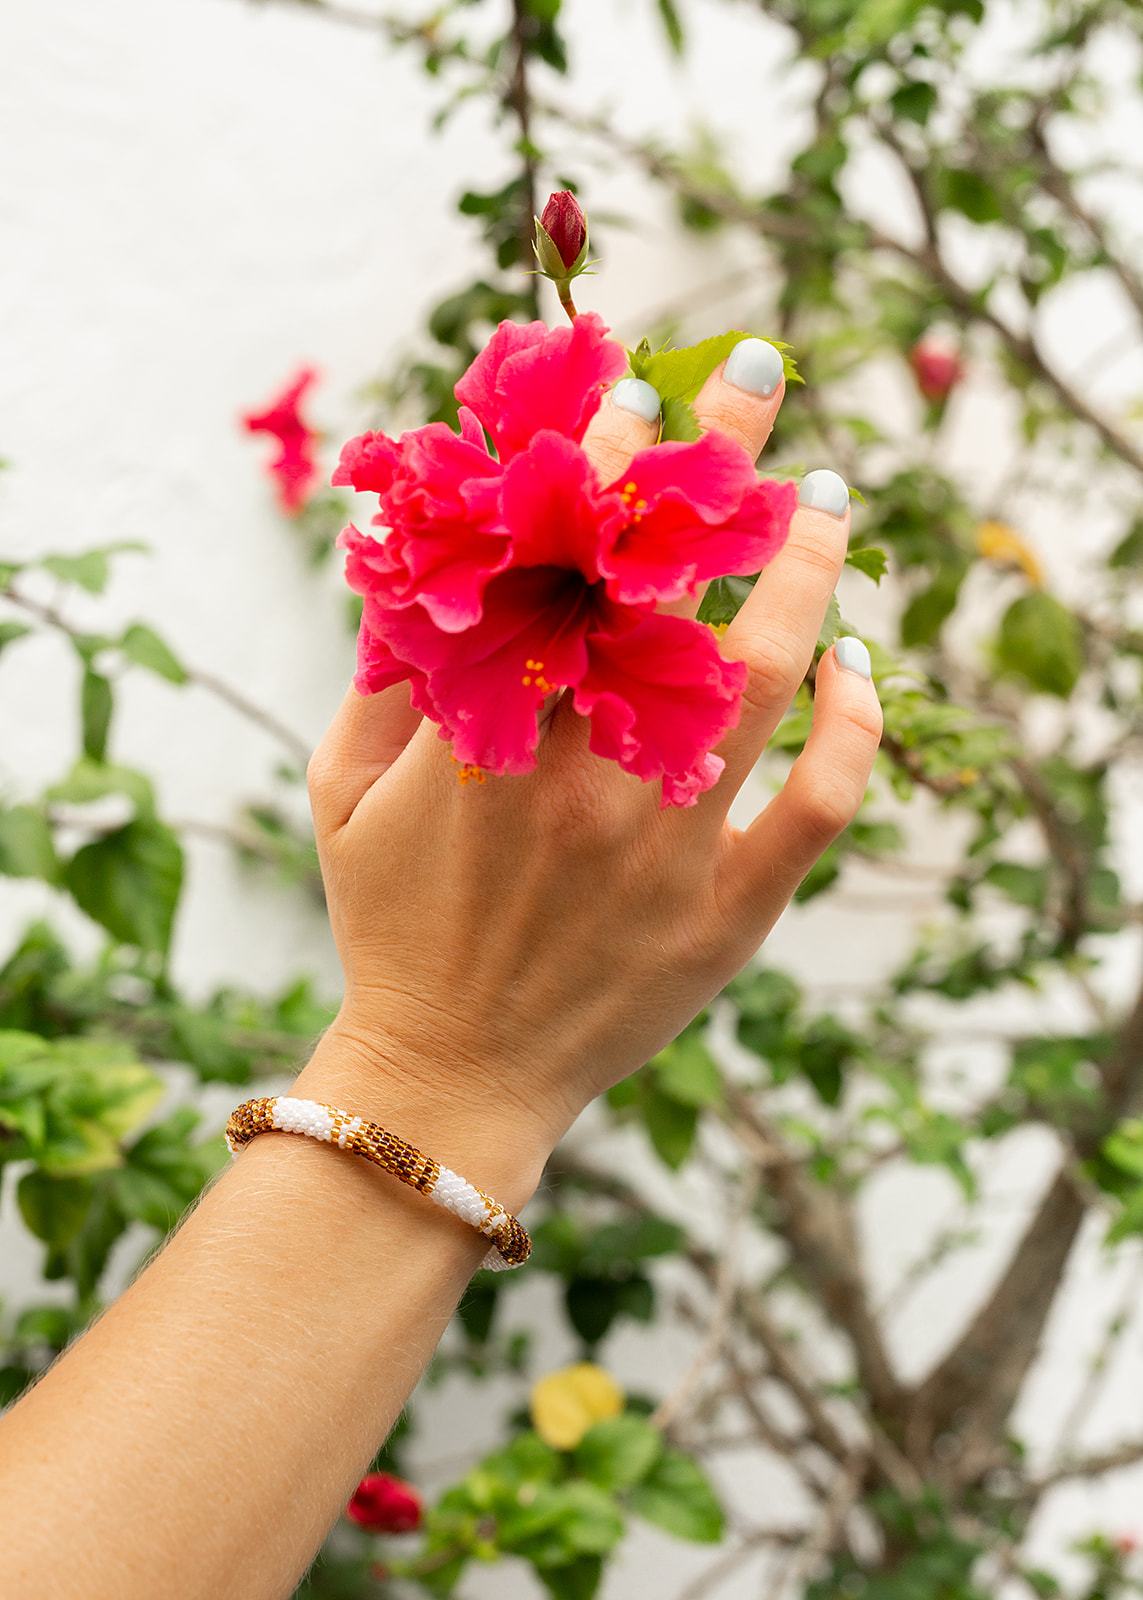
(755, 366)
(632, 394)
(851, 655)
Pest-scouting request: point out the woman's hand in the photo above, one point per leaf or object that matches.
(514, 946)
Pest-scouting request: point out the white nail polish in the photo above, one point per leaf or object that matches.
(632, 394)
(755, 366)
(824, 490)
(852, 656)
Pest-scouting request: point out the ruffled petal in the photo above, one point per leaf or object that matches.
(367, 463)
(555, 513)
(439, 496)
(529, 377)
(377, 667)
(695, 511)
(486, 685)
(659, 696)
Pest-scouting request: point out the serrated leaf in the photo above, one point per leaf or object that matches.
(869, 559)
(679, 374)
(679, 421)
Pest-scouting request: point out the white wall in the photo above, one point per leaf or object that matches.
(197, 196)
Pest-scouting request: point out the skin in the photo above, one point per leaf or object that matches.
(510, 950)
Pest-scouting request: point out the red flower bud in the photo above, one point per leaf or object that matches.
(1127, 1544)
(385, 1504)
(566, 226)
(937, 368)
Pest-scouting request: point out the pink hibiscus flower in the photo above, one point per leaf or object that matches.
(293, 467)
(506, 578)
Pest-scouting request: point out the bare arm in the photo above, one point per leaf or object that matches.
(510, 950)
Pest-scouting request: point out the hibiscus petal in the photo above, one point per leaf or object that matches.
(530, 377)
(367, 463)
(377, 667)
(553, 508)
(696, 511)
(486, 685)
(659, 696)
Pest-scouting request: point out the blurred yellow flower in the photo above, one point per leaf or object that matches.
(565, 1404)
(996, 541)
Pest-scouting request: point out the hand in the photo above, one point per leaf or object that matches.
(513, 947)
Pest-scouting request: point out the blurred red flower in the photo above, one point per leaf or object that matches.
(294, 466)
(385, 1504)
(937, 368)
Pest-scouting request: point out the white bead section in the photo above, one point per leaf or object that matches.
(457, 1195)
(302, 1116)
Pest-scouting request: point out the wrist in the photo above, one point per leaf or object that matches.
(461, 1120)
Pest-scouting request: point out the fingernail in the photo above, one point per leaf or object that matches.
(851, 654)
(824, 491)
(632, 394)
(754, 365)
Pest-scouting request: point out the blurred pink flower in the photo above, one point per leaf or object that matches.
(503, 580)
(937, 368)
(293, 467)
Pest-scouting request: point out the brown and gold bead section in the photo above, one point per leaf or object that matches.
(284, 1114)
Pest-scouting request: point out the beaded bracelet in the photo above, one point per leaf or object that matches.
(281, 1113)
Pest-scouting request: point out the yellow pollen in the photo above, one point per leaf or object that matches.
(640, 505)
(466, 773)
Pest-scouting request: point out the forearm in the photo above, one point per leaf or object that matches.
(264, 1353)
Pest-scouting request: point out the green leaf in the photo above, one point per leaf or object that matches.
(966, 190)
(869, 559)
(914, 101)
(90, 569)
(680, 374)
(89, 781)
(672, 24)
(143, 646)
(724, 599)
(670, 1125)
(619, 1451)
(54, 1209)
(129, 882)
(679, 421)
(1040, 641)
(27, 849)
(687, 1072)
(96, 705)
(11, 631)
(574, 1580)
(677, 1495)
(926, 612)
(831, 626)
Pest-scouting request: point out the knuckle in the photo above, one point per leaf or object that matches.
(819, 543)
(774, 669)
(319, 773)
(826, 807)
